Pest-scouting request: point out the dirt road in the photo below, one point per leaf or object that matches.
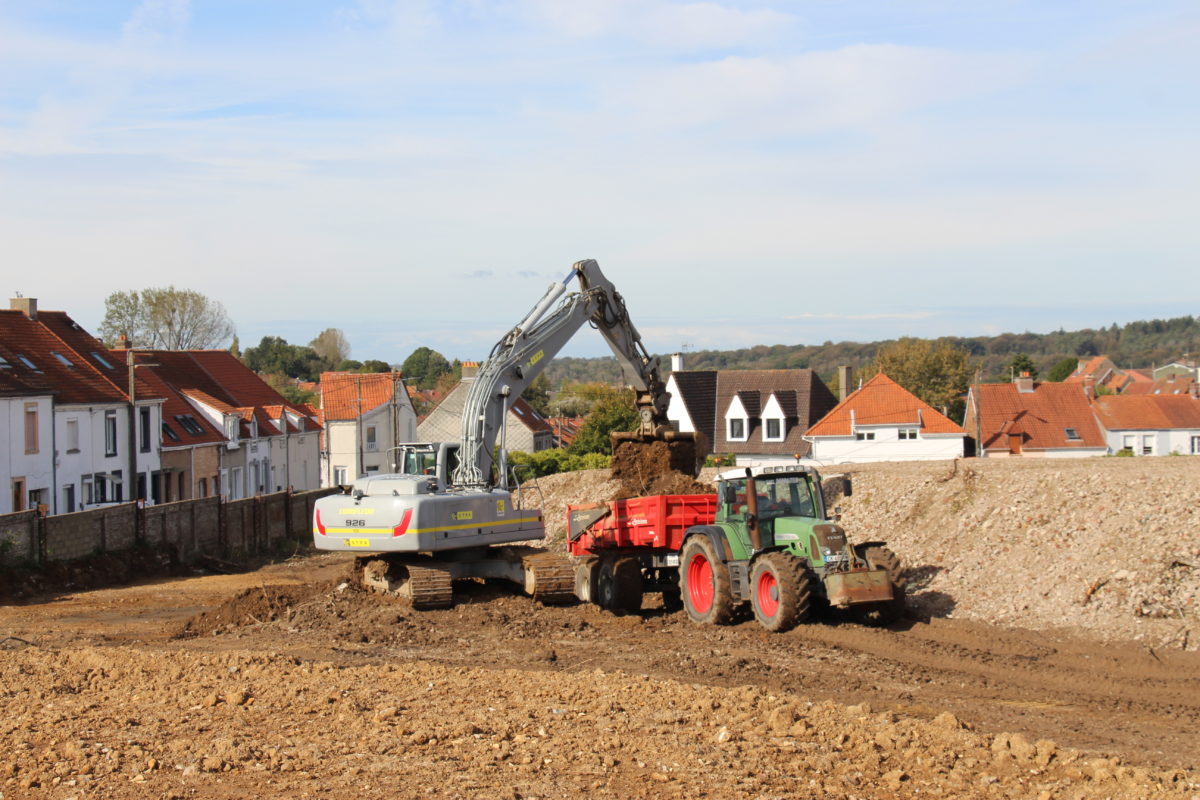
(278, 683)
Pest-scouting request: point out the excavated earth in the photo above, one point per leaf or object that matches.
(289, 682)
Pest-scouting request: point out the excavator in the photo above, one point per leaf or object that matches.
(450, 511)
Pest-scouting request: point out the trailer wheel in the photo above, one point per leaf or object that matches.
(883, 613)
(587, 574)
(781, 591)
(704, 578)
(619, 587)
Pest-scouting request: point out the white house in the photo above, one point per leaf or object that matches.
(1150, 425)
(27, 463)
(365, 415)
(883, 421)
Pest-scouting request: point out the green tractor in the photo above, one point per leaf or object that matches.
(773, 544)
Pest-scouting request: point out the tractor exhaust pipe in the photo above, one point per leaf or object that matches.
(752, 512)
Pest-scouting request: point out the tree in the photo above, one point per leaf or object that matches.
(166, 319)
(1021, 364)
(274, 356)
(614, 412)
(423, 367)
(375, 365)
(331, 346)
(578, 399)
(935, 371)
(1062, 370)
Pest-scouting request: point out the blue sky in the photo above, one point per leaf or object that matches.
(416, 173)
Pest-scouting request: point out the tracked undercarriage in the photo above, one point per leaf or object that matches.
(428, 582)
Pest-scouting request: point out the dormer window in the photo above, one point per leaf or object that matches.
(737, 429)
(1072, 433)
(231, 428)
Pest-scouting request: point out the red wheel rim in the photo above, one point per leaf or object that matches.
(768, 594)
(700, 583)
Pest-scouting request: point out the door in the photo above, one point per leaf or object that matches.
(18, 494)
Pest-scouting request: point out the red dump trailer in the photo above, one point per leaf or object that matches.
(630, 547)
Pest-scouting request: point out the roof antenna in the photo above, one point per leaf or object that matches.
(18, 294)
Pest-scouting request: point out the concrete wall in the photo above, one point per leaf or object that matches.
(192, 528)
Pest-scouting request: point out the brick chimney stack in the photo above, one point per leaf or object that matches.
(470, 369)
(1024, 383)
(1089, 387)
(26, 305)
(843, 374)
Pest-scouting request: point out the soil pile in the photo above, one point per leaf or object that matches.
(245, 723)
(648, 468)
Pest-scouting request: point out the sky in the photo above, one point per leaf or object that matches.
(417, 173)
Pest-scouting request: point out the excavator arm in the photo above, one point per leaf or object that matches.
(525, 351)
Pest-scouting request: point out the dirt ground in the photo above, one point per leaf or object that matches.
(284, 682)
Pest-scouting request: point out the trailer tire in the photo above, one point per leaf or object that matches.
(619, 586)
(587, 574)
(880, 614)
(781, 591)
(704, 579)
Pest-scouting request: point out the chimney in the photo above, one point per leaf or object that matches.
(1024, 383)
(843, 374)
(470, 369)
(122, 342)
(1194, 390)
(26, 305)
(676, 362)
(1089, 387)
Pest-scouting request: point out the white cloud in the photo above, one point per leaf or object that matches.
(663, 24)
(157, 21)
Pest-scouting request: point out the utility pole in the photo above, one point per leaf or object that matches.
(358, 438)
(133, 491)
(396, 384)
(979, 451)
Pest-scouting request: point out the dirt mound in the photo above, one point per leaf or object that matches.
(649, 468)
(259, 605)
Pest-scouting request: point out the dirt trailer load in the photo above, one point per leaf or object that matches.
(765, 538)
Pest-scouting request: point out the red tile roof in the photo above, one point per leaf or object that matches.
(1178, 385)
(1041, 417)
(1148, 412)
(882, 401)
(347, 395)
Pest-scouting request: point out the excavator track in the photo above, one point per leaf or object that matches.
(430, 587)
(549, 578)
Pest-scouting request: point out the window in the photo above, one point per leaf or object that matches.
(169, 432)
(773, 430)
(31, 428)
(68, 498)
(86, 483)
(144, 420)
(1148, 444)
(118, 487)
(1196, 445)
(235, 483)
(66, 362)
(1129, 442)
(189, 424)
(865, 436)
(110, 433)
(4, 363)
(1072, 433)
(100, 360)
(72, 435)
(100, 495)
(202, 488)
(27, 362)
(737, 429)
(339, 476)
(908, 433)
(372, 442)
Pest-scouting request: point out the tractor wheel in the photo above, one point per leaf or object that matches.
(704, 579)
(881, 614)
(619, 587)
(587, 573)
(781, 591)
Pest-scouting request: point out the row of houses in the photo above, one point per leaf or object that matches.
(772, 417)
(85, 425)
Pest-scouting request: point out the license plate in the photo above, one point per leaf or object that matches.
(358, 542)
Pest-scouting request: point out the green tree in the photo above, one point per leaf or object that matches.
(331, 346)
(578, 399)
(375, 365)
(1062, 370)
(938, 372)
(166, 319)
(274, 356)
(613, 412)
(423, 367)
(1020, 364)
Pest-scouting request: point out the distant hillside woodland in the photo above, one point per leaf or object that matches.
(1137, 345)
